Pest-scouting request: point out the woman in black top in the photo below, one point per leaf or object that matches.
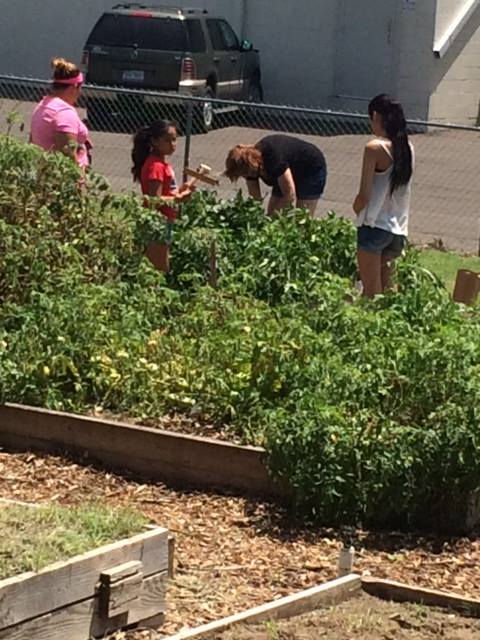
(294, 168)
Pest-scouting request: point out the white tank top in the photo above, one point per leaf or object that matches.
(385, 211)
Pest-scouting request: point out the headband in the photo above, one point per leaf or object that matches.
(75, 81)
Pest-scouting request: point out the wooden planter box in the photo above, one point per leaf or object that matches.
(328, 594)
(181, 460)
(149, 454)
(92, 594)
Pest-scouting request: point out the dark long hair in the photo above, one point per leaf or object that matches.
(142, 144)
(396, 129)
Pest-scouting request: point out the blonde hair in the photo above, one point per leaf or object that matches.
(241, 160)
(63, 69)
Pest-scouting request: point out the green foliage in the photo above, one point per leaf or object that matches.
(368, 410)
(446, 264)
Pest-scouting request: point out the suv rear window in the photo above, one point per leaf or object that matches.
(122, 30)
(196, 37)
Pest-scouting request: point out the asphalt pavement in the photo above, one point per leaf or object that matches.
(446, 189)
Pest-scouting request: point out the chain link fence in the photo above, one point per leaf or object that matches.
(446, 193)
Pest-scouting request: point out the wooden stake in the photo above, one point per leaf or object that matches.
(201, 177)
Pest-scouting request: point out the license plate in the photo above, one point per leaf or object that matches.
(133, 76)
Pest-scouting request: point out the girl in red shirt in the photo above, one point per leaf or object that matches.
(151, 146)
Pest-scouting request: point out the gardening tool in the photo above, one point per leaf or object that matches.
(201, 174)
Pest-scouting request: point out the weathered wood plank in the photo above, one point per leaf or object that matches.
(148, 453)
(171, 556)
(119, 587)
(390, 590)
(83, 620)
(123, 594)
(294, 605)
(58, 585)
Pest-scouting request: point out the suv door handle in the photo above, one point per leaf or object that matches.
(233, 59)
(216, 59)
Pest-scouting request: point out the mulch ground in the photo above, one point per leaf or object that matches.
(233, 553)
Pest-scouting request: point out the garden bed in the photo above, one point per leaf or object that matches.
(67, 591)
(364, 617)
(153, 454)
(149, 453)
(231, 551)
(344, 394)
(36, 536)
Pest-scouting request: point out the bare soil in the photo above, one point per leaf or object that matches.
(364, 618)
(233, 553)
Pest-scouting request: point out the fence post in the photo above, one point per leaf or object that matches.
(188, 138)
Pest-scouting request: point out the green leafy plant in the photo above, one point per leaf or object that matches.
(368, 409)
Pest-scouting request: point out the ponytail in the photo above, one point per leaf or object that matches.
(395, 127)
(142, 144)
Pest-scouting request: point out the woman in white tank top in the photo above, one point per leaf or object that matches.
(383, 201)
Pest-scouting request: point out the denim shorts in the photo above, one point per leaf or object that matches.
(379, 241)
(309, 187)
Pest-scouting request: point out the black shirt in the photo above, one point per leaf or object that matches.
(280, 152)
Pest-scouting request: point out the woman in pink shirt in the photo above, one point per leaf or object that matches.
(56, 125)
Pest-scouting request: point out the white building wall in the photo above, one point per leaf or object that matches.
(297, 45)
(442, 89)
(308, 55)
(446, 11)
(416, 31)
(455, 78)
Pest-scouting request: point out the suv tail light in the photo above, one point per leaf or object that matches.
(84, 61)
(189, 70)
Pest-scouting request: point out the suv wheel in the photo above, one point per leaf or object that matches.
(204, 116)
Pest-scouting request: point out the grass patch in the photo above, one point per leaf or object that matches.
(33, 538)
(445, 264)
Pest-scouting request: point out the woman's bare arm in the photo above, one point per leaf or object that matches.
(289, 193)
(368, 171)
(253, 186)
(287, 187)
(66, 143)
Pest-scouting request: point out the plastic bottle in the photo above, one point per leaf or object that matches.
(345, 561)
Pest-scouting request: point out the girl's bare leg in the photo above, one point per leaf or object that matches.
(370, 268)
(276, 204)
(387, 267)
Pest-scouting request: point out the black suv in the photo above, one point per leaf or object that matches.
(186, 51)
